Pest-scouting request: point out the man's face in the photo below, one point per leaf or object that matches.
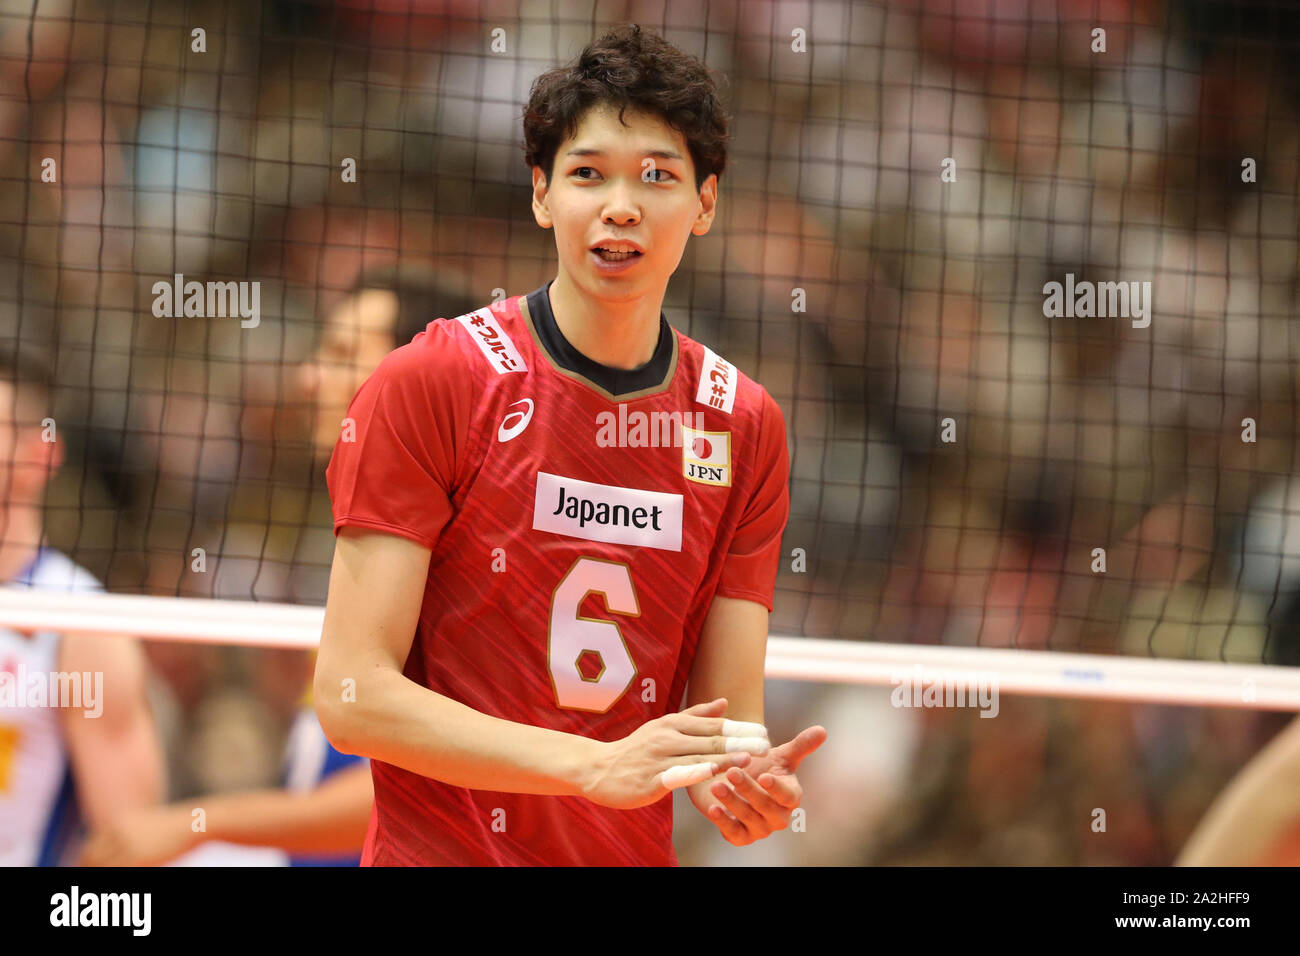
(27, 461)
(358, 334)
(634, 182)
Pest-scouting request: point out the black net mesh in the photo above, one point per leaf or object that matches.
(904, 184)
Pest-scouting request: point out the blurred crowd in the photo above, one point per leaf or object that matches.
(221, 155)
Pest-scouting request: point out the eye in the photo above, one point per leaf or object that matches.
(658, 169)
(580, 169)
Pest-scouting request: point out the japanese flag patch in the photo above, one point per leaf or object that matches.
(706, 456)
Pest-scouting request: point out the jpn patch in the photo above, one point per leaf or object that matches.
(706, 456)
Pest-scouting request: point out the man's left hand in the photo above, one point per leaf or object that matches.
(750, 804)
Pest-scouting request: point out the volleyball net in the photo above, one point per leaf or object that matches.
(1042, 673)
(1022, 283)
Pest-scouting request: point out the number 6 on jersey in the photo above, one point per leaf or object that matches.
(572, 636)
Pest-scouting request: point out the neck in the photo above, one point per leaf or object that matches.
(20, 538)
(618, 334)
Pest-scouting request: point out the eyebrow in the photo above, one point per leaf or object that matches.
(656, 153)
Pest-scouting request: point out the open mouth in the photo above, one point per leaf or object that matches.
(615, 256)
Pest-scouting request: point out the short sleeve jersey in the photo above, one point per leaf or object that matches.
(582, 519)
(40, 820)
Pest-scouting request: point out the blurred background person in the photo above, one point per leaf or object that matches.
(320, 814)
(90, 759)
(384, 308)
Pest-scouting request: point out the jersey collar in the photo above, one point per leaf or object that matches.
(615, 384)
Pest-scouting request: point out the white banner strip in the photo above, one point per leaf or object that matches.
(1036, 673)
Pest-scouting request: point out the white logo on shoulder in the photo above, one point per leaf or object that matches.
(485, 329)
(717, 382)
(584, 509)
(508, 429)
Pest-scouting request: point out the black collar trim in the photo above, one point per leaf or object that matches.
(615, 382)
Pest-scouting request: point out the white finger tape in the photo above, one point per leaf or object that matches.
(742, 728)
(753, 745)
(685, 775)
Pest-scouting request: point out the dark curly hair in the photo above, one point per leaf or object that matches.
(630, 67)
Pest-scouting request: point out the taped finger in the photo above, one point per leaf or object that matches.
(686, 774)
(742, 728)
(751, 745)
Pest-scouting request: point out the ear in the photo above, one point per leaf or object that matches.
(708, 205)
(541, 193)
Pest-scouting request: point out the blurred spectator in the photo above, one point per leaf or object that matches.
(320, 813)
(78, 744)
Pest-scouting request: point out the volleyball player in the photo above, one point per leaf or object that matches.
(524, 581)
(84, 761)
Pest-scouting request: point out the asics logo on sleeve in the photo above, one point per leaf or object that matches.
(508, 429)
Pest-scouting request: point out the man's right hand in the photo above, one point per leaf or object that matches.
(628, 773)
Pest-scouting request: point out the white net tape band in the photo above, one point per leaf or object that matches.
(1041, 673)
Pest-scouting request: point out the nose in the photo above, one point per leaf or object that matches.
(619, 209)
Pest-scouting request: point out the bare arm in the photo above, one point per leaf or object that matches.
(113, 743)
(753, 803)
(729, 662)
(1257, 807)
(331, 818)
(375, 592)
(731, 657)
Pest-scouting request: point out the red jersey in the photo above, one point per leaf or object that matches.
(581, 519)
